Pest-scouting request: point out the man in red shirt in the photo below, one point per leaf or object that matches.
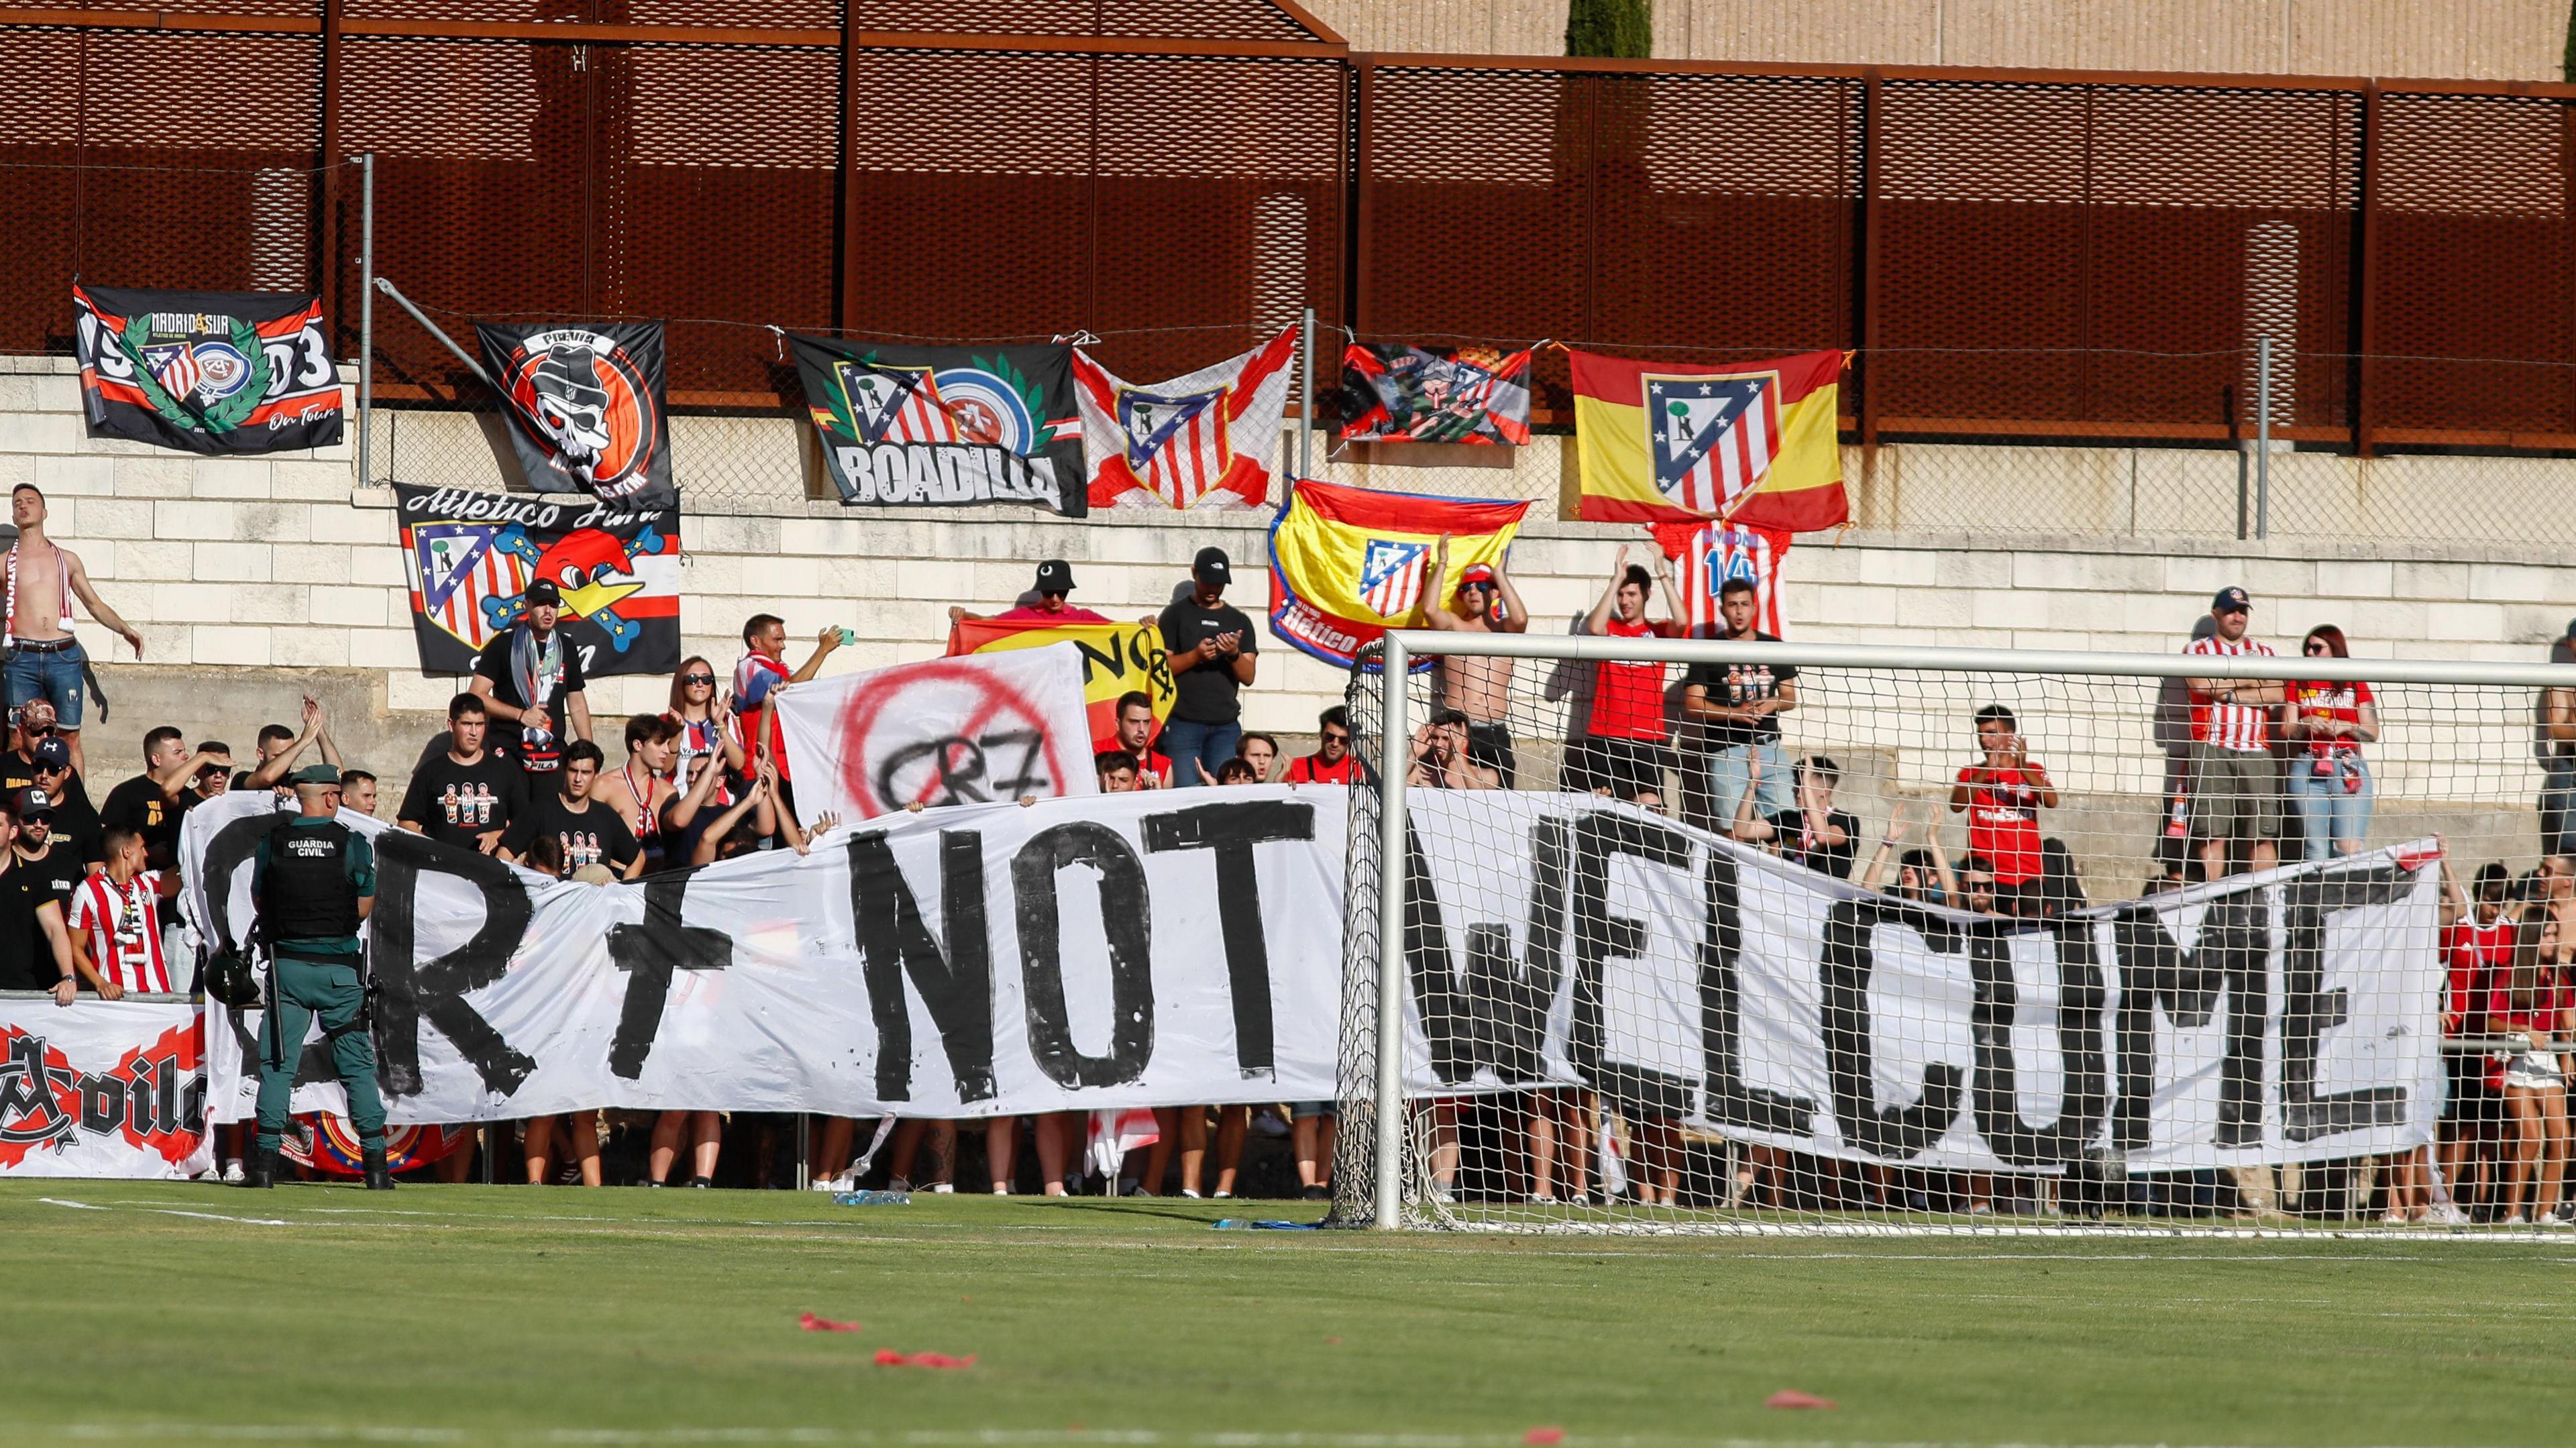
(1135, 739)
(1332, 762)
(2235, 784)
(1622, 751)
(2003, 796)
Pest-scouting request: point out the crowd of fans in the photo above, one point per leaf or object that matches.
(520, 774)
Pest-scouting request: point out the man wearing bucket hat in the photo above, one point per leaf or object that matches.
(314, 881)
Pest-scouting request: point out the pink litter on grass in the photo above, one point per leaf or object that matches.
(811, 1323)
(1792, 1398)
(888, 1358)
(1543, 1437)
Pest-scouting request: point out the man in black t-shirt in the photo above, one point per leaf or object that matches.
(590, 834)
(150, 803)
(1814, 833)
(467, 795)
(1738, 708)
(1210, 647)
(74, 821)
(52, 854)
(530, 678)
(35, 948)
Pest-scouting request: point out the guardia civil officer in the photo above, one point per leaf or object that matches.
(314, 880)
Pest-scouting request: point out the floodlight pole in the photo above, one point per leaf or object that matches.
(1394, 760)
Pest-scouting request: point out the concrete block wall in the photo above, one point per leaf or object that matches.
(256, 580)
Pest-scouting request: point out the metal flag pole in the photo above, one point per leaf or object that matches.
(389, 289)
(1306, 407)
(366, 318)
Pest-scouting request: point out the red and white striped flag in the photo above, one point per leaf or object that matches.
(1707, 555)
(1208, 437)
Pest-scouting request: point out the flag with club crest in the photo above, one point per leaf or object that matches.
(1750, 443)
(1395, 393)
(1347, 564)
(1208, 439)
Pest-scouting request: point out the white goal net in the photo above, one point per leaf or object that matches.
(1700, 936)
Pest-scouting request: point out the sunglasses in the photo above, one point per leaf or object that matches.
(697, 678)
(1332, 738)
(1477, 587)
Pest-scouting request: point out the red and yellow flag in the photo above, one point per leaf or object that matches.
(1750, 443)
(1117, 658)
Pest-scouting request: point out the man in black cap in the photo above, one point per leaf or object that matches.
(35, 945)
(57, 862)
(531, 682)
(1052, 595)
(313, 881)
(1210, 647)
(75, 819)
(2235, 786)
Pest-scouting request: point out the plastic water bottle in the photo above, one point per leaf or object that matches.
(872, 1199)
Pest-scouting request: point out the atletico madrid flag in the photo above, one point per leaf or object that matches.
(1208, 438)
(1709, 555)
(1347, 564)
(1749, 443)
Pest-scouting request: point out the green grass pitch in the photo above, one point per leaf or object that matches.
(172, 1313)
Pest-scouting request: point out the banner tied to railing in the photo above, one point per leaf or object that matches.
(1173, 948)
(101, 1089)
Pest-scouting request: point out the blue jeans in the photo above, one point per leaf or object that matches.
(2329, 814)
(54, 676)
(1190, 745)
(1729, 771)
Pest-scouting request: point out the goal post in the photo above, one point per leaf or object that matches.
(1685, 935)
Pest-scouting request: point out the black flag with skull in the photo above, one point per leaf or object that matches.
(587, 408)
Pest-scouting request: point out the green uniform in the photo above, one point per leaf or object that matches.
(321, 870)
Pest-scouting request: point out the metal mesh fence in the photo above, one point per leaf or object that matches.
(2052, 283)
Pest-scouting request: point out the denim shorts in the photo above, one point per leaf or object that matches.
(53, 676)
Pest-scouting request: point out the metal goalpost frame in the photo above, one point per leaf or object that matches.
(1405, 646)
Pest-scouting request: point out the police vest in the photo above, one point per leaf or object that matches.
(305, 891)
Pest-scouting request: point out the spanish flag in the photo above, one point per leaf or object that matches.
(1347, 564)
(1750, 443)
(1117, 659)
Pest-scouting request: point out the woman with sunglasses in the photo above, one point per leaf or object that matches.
(703, 735)
(2329, 781)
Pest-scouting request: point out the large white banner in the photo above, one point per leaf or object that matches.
(1002, 726)
(1118, 950)
(2284, 1017)
(1169, 948)
(100, 1089)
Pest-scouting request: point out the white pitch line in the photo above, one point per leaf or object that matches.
(983, 1438)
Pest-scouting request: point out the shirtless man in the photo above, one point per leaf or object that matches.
(44, 660)
(1479, 688)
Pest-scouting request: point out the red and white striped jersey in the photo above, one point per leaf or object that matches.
(2246, 728)
(1709, 555)
(124, 925)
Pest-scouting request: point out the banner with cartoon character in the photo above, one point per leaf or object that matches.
(206, 372)
(471, 557)
(916, 427)
(101, 1088)
(586, 408)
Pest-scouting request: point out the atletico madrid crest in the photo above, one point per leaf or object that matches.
(1391, 576)
(1712, 438)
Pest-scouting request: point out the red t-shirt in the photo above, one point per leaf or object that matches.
(2003, 820)
(1304, 770)
(2478, 955)
(1067, 614)
(2342, 702)
(1147, 761)
(1628, 699)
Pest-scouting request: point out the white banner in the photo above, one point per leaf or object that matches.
(1164, 949)
(101, 1089)
(944, 731)
(1126, 950)
(2292, 1016)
